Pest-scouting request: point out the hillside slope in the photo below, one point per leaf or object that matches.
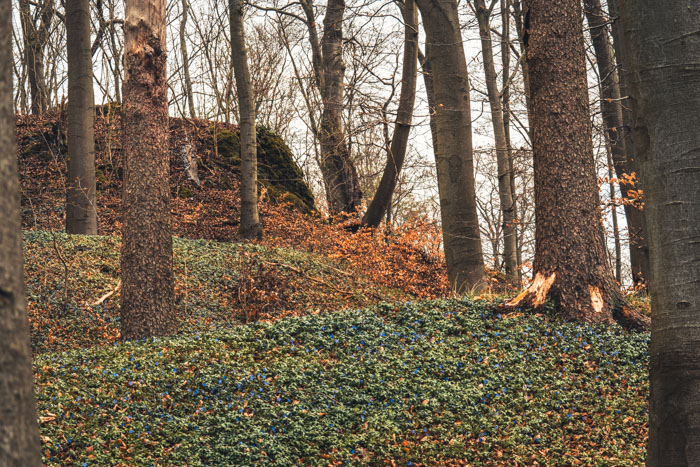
(408, 384)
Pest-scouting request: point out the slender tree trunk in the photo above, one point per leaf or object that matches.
(147, 256)
(339, 173)
(397, 150)
(185, 58)
(505, 59)
(616, 227)
(81, 213)
(571, 266)
(427, 68)
(455, 165)
(510, 259)
(35, 38)
(663, 56)
(19, 432)
(636, 218)
(250, 221)
(521, 29)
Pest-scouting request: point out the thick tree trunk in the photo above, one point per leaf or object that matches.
(339, 173)
(455, 165)
(19, 432)
(397, 151)
(186, 58)
(571, 266)
(81, 212)
(510, 259)
(250, 220)
(636, 218)
(147, 256)
(663, 56)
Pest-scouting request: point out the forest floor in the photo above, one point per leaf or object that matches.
(387, 381)
(319, 345)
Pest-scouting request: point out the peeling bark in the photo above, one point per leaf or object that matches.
(146, 257)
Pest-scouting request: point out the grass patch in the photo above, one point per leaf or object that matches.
(419, 383)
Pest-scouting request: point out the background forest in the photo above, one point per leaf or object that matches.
(322, 232)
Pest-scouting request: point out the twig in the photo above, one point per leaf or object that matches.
(100, 300)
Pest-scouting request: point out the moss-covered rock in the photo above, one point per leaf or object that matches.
(277, 170)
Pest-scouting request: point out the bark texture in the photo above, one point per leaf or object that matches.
(19, 432)
(636, 218)
(663, 55)
(250, 220)
(339, 173)
(381, 203)
(35, 32)
(454, 158)
(81, 212)
(510, 248)
(571, 266)
(146, 255)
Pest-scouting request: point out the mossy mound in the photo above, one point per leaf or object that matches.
(277, 170)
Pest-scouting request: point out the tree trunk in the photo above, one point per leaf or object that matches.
(147, 256)
(186, 59)
(611, 107)
(339, 173)
(505, 59)
(663, 56)
(35, 38)
(636, 218)
(571, 267)
(397, 151)
(250, 221)
(510, 259)
(19, 432)
(613, 208)
(455, 165)
(81, 212)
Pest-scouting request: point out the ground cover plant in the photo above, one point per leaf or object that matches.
(409, 384)
(73, 286)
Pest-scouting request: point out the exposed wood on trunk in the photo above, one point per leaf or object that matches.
(453, 153)
(81, 208)
(381, 203)
(146, 257)
(568, 242)
(250, 220)
(663, 56)
(19, 431)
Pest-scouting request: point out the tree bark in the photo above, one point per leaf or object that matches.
(250, 220)
(186, 58)
(454, 158)
(339, 173)
(571, 267)
(19, 432)
(146, 255)
(636, 218)
(397, 150)
(35, 39)
(510, 258)
(81, 211)
(663, 56)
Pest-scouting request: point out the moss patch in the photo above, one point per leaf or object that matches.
(277, 170)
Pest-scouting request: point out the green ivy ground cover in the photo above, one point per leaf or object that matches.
(411, 384)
